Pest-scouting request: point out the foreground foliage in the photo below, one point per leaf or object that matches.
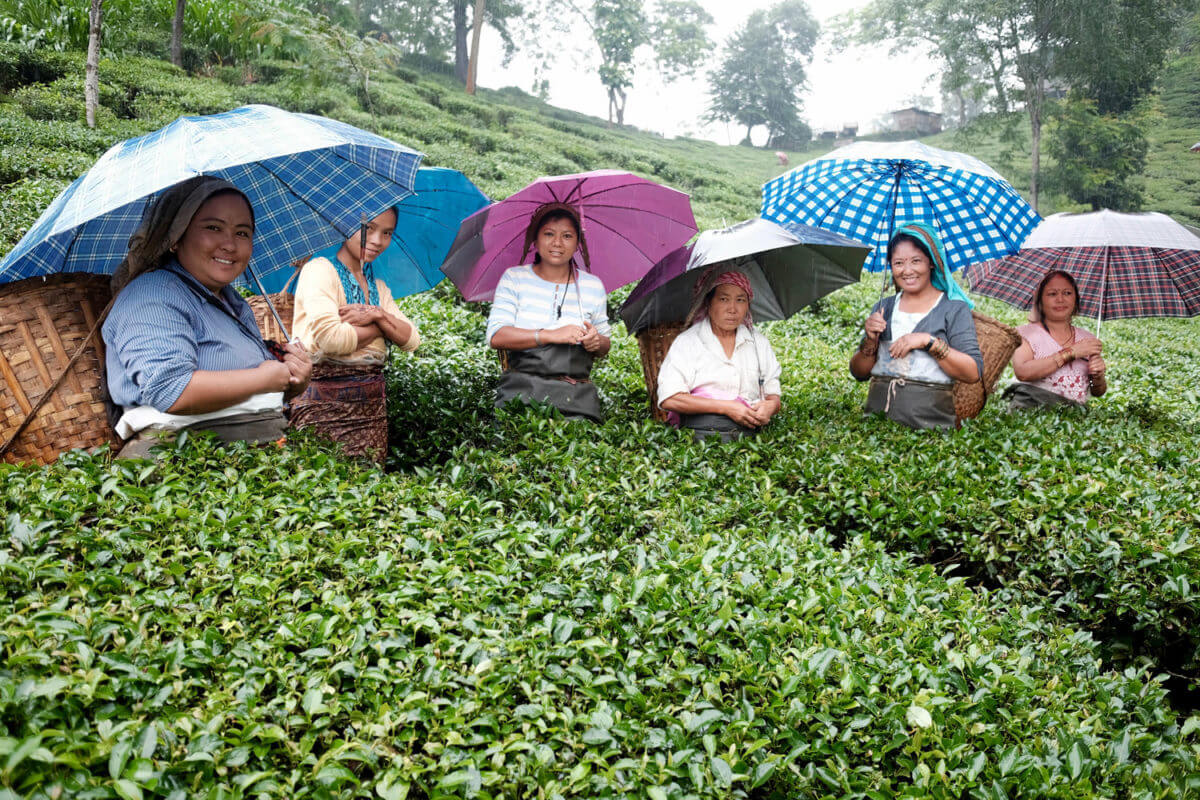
(280, 624)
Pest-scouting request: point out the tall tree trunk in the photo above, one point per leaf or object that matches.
(460, 40)
(1035, 137)
(477, 29)
(177, 33)
(91, 75)
(962, 108)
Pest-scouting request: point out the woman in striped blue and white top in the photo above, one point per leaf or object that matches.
(552, 318)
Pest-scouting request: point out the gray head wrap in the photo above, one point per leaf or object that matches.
(165, 223)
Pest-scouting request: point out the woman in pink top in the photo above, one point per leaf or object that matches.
(1057, 363)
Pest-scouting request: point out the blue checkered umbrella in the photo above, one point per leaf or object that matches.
(866, 189)
(309, 178)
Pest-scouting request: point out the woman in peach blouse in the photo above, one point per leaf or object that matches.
(1057, 362)
(347, 319)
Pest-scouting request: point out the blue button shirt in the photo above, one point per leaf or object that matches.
(164, 326)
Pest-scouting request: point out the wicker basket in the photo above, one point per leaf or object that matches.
(998, 342)
(284, 302)
(653, 344)
(43, 322)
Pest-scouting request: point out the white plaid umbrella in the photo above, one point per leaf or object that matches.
(864, 190)
(309, 178)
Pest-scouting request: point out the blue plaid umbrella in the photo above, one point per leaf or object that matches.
(866, 189)
(309, 178)
(426, 225)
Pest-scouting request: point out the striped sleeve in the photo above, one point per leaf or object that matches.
(599, 306)
(153, 342)
(504, 305)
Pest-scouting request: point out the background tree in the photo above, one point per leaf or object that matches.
(1112, 51)
(675, 30)
(177, 33)
(91, 70)
(1110, 54)
(1011, 41)
(437, 29)
(762, 73)
(1097, 156)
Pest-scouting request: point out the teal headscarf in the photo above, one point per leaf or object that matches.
(941, 278)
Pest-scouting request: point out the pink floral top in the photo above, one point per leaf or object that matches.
(1070, 380)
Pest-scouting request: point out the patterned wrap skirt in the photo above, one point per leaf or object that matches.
(346, 403)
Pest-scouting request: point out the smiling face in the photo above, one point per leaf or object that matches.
(217, 244)
(727, 308)
(1058, 300)
(911, 268)
(557, 241)
(379, 236)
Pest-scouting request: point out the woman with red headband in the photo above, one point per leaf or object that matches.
(551, 318)
(719, 377)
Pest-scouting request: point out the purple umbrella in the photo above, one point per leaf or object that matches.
(629, 224)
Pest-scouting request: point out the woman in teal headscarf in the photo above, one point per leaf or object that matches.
(920, 340)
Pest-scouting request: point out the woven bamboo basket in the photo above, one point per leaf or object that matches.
(653, 344)
(285, 304)
(43, 323)
(998, 342)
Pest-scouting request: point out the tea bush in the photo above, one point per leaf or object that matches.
(484, 630)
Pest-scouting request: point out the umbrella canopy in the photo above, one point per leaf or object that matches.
(789, 267)
(864, 190)
(425, 228)
(629, 223)
(309, 178)
(1126, 265)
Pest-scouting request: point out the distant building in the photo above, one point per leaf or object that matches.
(916, 120)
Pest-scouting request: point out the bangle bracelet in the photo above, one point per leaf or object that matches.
(537, 337)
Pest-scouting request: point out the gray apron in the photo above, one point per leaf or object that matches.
(253, 427)
(1026, 395)
(917, 404)
(555, 374)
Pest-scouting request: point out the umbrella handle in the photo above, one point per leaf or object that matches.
(362, 241)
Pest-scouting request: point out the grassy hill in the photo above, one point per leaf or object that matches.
(524, 607)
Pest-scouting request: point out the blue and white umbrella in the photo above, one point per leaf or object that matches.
(866, 189)
(426, 225)
(309, 178)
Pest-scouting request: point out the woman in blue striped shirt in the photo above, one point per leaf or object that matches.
(552, 318)
(184, 350)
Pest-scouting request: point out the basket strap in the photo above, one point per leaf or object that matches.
(292, 280)
(46, 395)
